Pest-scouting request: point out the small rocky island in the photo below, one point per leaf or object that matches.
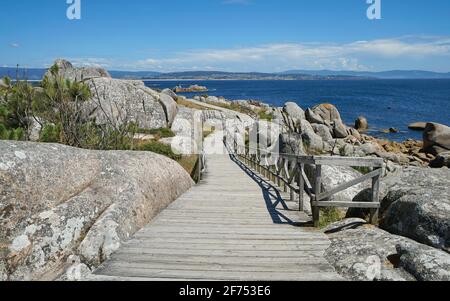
(90, 161)
(192, 88)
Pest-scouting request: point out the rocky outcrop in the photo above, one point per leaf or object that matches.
(295, 113)
(417, 205)
(436, 138)
(365, 253)
(117, 101)
(328, 113)
(170, 107)
(68, 71)
(58, 201)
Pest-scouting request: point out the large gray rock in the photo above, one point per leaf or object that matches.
(170, 107)
(366, 253)
(417, 205)
(436, 138)
(68, 71)
(292, 143)
(340, 130)
(313, 142)
(328, 113)
(294, 111)
(425, 264)
(313, 117)
(58, 201)
(117, 101)
(361, 124)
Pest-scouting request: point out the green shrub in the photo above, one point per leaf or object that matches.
(160, 148)
(4, 133)
(50, 133)
(19, 134)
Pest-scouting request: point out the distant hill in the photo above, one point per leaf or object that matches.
(133, 74)
(394, 74)
(37, 74)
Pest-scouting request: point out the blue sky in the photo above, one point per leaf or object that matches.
(229, 35)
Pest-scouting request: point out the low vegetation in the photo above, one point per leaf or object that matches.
(157, 133)
(234, 106)
(263, 115)
(159, 148)
(329, 216)
(188, 104)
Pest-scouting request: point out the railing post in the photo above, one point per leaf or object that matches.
(301, 187)
(279, 172)
(376, 199)
(199, 168)
(317, 191)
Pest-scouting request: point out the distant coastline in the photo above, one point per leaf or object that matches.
(310, 75)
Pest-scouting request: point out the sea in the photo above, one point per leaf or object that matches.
(385, 103)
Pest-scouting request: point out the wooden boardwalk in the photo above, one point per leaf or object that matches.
(232, 226)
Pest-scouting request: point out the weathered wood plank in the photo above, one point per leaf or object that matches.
(347, 204)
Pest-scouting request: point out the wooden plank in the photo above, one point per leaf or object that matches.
(347, 204)
(301, 185)
(348, 161)
(225, 275)
(300, 246)
(249, 261)
(212, 267)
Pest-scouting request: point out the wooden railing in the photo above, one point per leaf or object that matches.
(289, 173)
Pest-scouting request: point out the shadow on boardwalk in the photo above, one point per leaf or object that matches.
(273, 198)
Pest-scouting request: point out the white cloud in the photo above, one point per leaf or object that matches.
(356, 55)
(14, 45)
(423, 52)
(91, 62)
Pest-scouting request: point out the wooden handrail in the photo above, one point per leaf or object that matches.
(289, 170)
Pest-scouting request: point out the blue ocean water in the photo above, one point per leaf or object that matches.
(385, 103)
